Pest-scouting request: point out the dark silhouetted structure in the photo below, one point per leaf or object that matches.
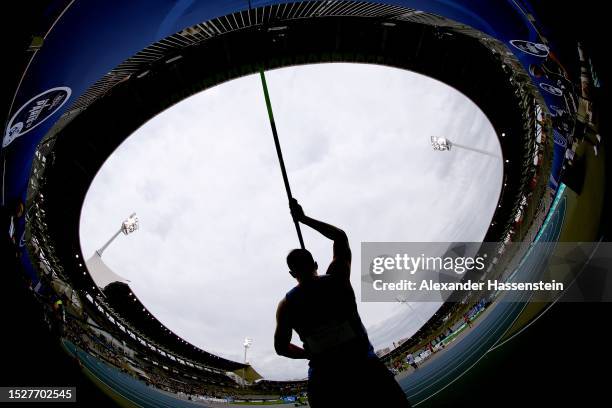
(322, 309)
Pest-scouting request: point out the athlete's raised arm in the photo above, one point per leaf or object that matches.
(341, 264)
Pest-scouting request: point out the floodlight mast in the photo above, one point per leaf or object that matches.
(404, 301)
(127, 227)
(442, 144)
(247, 343)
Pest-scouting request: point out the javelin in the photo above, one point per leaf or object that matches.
(279, 153)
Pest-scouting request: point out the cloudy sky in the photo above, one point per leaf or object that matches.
(203, 178)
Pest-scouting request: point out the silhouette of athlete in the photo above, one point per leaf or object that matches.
(322, 309)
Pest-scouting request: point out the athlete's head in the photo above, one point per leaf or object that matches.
(301, 264)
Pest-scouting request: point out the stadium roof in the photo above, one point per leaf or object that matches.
(248, 373)
(101, 273)
(450, 53)
(120, 298)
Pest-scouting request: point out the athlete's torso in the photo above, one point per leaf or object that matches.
(323, 312)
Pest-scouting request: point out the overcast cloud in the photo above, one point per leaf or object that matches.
(209, 258)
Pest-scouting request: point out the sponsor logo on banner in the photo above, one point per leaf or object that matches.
(34, 112)
(559, 139)
(556, 111)
(537, 49)
(551, 89)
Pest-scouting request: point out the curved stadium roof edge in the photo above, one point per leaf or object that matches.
(212, 42)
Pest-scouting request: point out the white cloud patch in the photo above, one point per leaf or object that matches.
(209, 258)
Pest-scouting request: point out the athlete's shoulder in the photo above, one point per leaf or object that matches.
(291, 293)
(335, 279)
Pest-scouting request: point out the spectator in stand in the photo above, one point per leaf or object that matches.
(410, 360)
(467, 320)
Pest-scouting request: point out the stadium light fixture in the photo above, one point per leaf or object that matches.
(176, 58)
(127, 227)
(130, 225)
(278, 28)
(443, 144)
(440, 144)
(247, 343)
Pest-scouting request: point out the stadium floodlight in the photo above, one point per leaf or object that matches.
(130, 225)
(247, 343)
(440, 143)
(443, 144)
(127, 227)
